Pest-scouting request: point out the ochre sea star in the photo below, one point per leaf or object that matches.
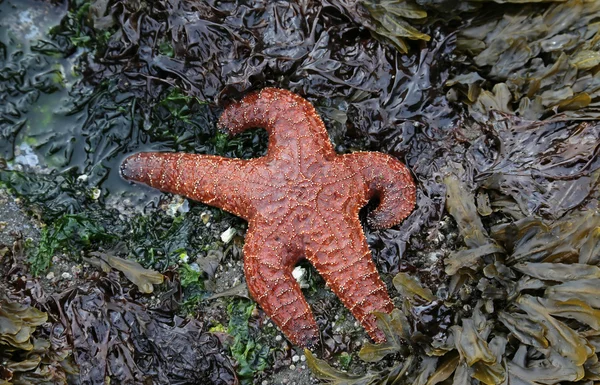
(300, 200)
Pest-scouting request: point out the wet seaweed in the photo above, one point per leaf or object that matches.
(546, 329)
(67, 232)
(534, 62)
(558, 173)
(506, 204)
(28, 355)
(144, 279)
(115, 336)
(251, 355)
(390, 18)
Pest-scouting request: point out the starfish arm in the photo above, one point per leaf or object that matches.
(291, 121)
(388, 179)
(268, 268)
(213, 180)
(346, 264)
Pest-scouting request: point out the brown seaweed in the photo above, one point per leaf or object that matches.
(138, 275)
(26, 357)
(540, 60)
(521, 260)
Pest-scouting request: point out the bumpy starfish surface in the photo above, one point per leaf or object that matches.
(300, 200)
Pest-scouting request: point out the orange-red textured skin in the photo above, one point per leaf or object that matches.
(301, 200)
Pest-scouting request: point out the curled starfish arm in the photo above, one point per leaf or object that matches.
(291, 121)
(213, 180)
(268, 268)
(387, 179)
(348, 268)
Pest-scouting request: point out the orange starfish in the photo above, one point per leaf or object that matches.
(300, 200)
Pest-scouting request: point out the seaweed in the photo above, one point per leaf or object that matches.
(189, 276)
(147, 344)
(27, 357)
(539, 61)
(495, 271)
(389, 18)
(558, 173)
(135, 273)
(330, 375)
(409, 287)
(251, 355)
(395, 328)
(572, 239)
(72, 232)
(461, 205)
(540, 277)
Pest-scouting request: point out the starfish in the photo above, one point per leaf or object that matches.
(300, 200)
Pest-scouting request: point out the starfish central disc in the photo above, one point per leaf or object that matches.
(301, 200)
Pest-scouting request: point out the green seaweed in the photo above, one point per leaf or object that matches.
(251, 355)
(344, 360)
(81, 25)
(69, 233)
(189, 276)
(180, 105)
(159, 237)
